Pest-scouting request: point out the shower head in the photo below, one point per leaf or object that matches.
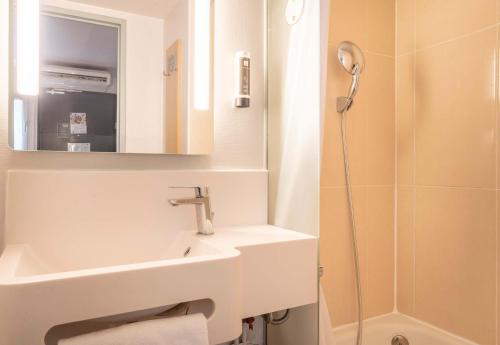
(352, 59)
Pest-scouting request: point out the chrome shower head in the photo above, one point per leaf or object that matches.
(352, 59)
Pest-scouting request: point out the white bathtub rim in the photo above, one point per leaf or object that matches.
(396, 317)
(454, 336)
(353, 326)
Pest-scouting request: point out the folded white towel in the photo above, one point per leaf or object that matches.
(182, 330)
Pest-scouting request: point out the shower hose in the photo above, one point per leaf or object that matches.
(354, 230)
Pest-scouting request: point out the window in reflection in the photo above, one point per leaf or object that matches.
(77, 104)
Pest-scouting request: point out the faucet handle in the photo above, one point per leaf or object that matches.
(199, 191)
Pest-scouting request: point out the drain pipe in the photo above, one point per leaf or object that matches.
(270, 320)
(279, 321)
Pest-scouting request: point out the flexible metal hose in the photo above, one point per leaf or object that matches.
(354, 230)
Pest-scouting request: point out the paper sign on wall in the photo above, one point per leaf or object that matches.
(78, 123)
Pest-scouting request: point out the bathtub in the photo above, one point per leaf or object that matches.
(382, 329)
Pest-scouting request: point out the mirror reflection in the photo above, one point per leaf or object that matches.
(124, 76)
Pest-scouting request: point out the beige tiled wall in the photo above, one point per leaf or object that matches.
(447, 158)
(371, 126)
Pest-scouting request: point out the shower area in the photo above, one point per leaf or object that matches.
(423, 152)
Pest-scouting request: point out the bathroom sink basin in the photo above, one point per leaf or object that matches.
(26, 261)
(47, 287)
(43, 287)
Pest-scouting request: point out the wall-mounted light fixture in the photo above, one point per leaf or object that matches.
(202, 54)
(27, 45)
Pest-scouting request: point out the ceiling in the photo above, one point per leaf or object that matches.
(151, 8)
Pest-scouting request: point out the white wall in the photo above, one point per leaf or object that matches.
(143, 113)
(130, 207)
(239, 134)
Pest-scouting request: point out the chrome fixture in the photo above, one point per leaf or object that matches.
(352, 59)
(204, 214)
(269, 318)
(400, 340)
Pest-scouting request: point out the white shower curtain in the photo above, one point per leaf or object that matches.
(325, 325)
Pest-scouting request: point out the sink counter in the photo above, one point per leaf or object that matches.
(279, 267)
(244, 271)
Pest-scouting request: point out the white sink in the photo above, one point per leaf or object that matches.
(244, 271)
(24, 260)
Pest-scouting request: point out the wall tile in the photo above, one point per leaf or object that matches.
(498, 266)
(497, 86)
(379, 109)
(405, 26)
(446, 244)
(405, 119)
(336, 251)
(455, 112)
(347, 22)
(455, 286)
(371, 140)
(442, 20)
(380, 26)
(379, 273)
(498, 11)
(405, 250)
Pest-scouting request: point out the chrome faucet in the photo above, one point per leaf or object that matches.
(204, 214)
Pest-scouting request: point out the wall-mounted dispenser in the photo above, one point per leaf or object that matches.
(242, 79)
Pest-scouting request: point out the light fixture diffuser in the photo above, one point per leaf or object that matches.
(27, 44)
(202, 59)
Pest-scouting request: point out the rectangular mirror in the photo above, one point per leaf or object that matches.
(127, 76)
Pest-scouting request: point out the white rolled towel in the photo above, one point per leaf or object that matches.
(182, 330)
